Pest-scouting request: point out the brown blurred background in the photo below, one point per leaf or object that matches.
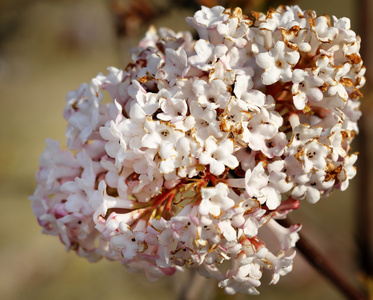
(48, 48)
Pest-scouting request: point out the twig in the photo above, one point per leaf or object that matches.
(192, 288)
(363, 224)
(323, 265)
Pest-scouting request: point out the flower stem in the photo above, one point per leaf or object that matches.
(323, 265)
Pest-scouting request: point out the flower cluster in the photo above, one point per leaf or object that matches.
(203, 144)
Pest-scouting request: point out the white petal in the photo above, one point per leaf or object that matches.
(264, 60)
(271, 75)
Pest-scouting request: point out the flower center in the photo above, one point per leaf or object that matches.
(165, 133)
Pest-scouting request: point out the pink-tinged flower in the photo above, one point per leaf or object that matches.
(113, 83)
(287, 237)
(85, 114)
(56, 164)
(245, 278)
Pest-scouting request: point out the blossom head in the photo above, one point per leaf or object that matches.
(205, 143)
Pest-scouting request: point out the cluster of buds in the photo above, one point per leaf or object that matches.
(200, 145)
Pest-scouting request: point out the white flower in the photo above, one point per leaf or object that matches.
(158, 132)
(212, 95)
(255, 180)
(352, 112)
(281, 264)
(243, 281)
(248, 98)
(277, 63)
(275, 146)
(261, 127)
(208, 231)
(206, 54)
(233, 117)
(223, 72)
(205, 122)
(349, 171)
(168, 155)
(184, 226)
(217, 156)
(252, 223)
(277, 184)
(146, 104)
(174, 110)
(313, 155)
(215, 199)
(205, 20)
(176, 66)
(311, 186)
(305, 88)
(245, 275)
(323, 31)
(302, 133)
(235, 29)
(109, 202)
(113, 133)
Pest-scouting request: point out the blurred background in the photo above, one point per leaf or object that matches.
(48, 48)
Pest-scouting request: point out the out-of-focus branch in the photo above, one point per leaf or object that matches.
(196, 287)
(323, 265)
(363, 219)
(247, 5)
(130, 15)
